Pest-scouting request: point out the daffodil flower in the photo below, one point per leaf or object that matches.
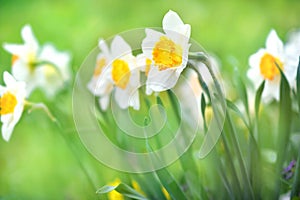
(116, 68)
(38, 66)
(168, 53)
(12, 100)
(264, 66)
(100, 84)
(292, 52)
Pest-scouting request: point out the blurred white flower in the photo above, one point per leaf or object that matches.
(116, 68)
(292, 51)
(168, 53)
(263, 67)
(100, 84)
(38, 66)
(12, 99)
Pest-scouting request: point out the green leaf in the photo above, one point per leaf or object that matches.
(284, 127)
(242, 91)
(298, 85)
(171, 185)
(296, 184)
(123, 189)
(233, 107)
(166, 178)
(258, 98)
(203, 107)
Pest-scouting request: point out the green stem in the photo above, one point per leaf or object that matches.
(77, 157)
(245, 175)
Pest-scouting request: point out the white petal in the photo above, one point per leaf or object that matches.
(103, 47)
(16, 49)
(119, 47)
(10, 120)
(104, 102)
(273, 44)
(159, 81)
(254, 75)
(141, 61)
(271, 91)
(7, 131)
(152, 37)
(134, 100)
(29, 38)
(61, 60)
(173, 23)
(122, 98)
(8, 78)
(255, 59)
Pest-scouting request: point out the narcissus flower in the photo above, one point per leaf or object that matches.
(168, 53)
(264, 66)
(292, 52)
(116, 68)
(12, 100)
(38, 66)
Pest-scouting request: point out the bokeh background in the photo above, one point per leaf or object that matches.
(38, 163)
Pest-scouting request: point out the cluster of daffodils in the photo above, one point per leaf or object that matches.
(266, 63)
(33, 66)
(39, 66)
(163, 58)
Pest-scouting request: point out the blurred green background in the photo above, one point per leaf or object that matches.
(37, 163)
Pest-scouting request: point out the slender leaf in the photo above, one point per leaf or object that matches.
(241, 88)
(165, 177)
(298, 85)
(203, 107)
(123, 189)
(296, 184)
(233, 107)
(258, 98)
(285, 118)
(168, 181)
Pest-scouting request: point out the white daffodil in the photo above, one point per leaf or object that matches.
(264, 66)
(168, 52)
(292, 52)
(117, 68)
(38, 66)
(12, 99)
(100, 84)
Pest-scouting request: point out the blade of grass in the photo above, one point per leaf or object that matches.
(258, 98)
(285, 118)
(296, 184)
(248, 190)
(123, 189)
(298, 85)
(203, 107)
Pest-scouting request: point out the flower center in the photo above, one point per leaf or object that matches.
(99, 66)
(166, 54)
(50, 72)
(268, 68)
(8, 103)
(120, 73)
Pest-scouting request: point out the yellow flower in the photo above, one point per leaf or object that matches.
(137, 187)
(168, 53)
(12, 99)
(114, 195)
